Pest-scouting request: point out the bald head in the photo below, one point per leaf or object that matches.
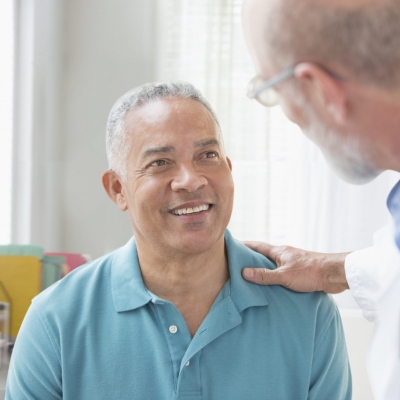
(358, 37)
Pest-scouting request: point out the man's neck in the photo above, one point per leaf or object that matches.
(190, 281)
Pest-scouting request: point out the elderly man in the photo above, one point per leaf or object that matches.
(335, 68)
(168, 315)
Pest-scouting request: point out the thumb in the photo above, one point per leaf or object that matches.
(263, 276)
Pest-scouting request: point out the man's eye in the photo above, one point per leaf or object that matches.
(158, 163)
(211, 154)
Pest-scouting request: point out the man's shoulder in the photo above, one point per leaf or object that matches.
(241, 255)
(318, 304)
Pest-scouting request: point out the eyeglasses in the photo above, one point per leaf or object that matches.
(264, 90)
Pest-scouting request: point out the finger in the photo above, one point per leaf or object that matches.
(262, 276)
(267, 250)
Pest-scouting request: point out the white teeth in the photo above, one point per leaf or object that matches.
(190, 210)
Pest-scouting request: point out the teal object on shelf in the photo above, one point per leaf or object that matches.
(51, 270)
(22, 250)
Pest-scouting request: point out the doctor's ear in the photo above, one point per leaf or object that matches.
(112, 185)
(228, 160)
(325, 87)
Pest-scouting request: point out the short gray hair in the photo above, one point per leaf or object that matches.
(364, 39)
(116, 141)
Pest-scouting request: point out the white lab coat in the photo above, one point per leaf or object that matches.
(373, 275)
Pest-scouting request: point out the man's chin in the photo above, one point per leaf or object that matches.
(351, 171)
(346, 160)
(194, 242)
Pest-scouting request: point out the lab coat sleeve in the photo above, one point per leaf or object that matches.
(362, 277)
(369, 271)
(330, 373)
(35, 369)
(374, 279)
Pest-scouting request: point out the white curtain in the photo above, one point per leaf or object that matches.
(285, 193)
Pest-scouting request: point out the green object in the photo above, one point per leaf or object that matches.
(51, 270)
(21, 250)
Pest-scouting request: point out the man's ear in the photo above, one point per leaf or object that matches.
(228, 160)
(325, 88)
(113, 187)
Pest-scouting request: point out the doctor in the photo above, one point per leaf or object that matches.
(334, 67)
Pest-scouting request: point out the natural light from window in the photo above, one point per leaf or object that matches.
(6, 112)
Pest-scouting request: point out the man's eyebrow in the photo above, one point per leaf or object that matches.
(169, 149)
(155, 150)
(204, 143)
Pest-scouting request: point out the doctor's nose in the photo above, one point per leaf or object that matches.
(188, 179)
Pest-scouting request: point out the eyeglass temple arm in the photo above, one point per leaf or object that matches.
(287, 73)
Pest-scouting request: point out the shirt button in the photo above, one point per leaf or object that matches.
(188, 363)
(173, 329)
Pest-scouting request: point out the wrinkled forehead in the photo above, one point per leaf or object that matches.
(167, 121)
(171, 116)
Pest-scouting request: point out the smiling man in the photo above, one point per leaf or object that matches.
(168, 316)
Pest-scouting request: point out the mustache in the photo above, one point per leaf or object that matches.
(185, 197)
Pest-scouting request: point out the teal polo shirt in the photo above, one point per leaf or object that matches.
(100, 334)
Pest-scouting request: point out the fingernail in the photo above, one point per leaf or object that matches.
(248, 273)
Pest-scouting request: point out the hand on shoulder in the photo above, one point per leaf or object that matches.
(299, 270)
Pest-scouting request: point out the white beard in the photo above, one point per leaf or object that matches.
(345, 156)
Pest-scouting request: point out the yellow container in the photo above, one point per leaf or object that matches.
(21, 276)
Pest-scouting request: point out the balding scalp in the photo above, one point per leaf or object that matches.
(361, 36)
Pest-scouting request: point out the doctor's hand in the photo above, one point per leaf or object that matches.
(299, 270)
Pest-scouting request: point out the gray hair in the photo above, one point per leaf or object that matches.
(116, 139)
(364, 39)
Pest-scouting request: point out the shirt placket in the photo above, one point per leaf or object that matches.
(178, 338)
(222, 317)
(185, 352)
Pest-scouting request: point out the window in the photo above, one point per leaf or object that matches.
(285, 193)
(6, 115)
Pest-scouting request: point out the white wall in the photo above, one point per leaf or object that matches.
(109, 49)
(74, 58)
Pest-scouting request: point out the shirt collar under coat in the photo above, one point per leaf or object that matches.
(130, 293)
(393, 204)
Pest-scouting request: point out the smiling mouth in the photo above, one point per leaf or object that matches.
(194, 210)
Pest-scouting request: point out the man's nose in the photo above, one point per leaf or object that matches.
(188, 178)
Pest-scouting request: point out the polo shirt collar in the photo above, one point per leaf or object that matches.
(243, 293)
(130, 293)
(127, 284)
